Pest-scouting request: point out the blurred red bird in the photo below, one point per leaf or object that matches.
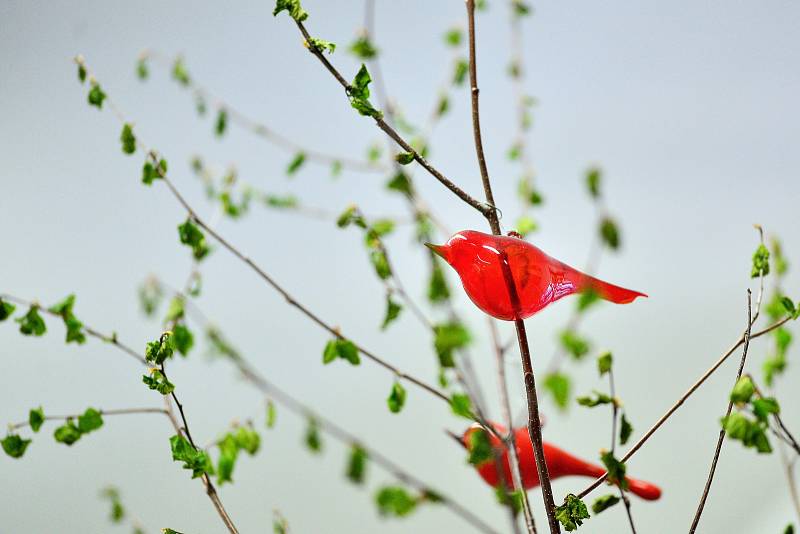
(539, 279)
(560, 463)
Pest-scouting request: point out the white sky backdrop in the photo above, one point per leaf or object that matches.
(691, 108)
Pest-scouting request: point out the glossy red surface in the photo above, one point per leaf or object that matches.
(479, 260)
(560, 463)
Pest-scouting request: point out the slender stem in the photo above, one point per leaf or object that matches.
(119, 411)
(486, 211)
(534, 423)
(721, 437)
(505, 406)
(594, 485)
(614, 412)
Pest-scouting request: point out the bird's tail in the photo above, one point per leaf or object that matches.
(640, 488)
(616, 294)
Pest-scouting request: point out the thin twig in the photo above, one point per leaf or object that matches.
(721, 437)
(699, 382)
(118, 411)
(262, 130)
(505, 406)
(614, 412)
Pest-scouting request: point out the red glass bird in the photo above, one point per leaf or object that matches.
(560, 463)
(478, 259)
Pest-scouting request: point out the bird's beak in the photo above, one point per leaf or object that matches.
(439, 250)
(455, 437)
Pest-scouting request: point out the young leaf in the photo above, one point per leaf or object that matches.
(479, 447)
(158, 351)
(625, 430)
(32, 324)
(197, 461)
(179, 72)
(357, 464)
(593, 176)
(117, 510)
(221, 124)
(158, 382)
(396, 501)
(271, 414)
(401, 183)
(615, 468)
(358, 92)
(609, 232)
(182, 339)
(96, 96)
(296, 163)
(453, 36)
(14, 446)
(313, 439)
(320, 45)
(340, 348)
(67, 433)
(526, 225)
(292, 7)
(751, 433)
(604, 503)
(6, 309)
(460, 71)
(574, 344)
(604, 363)
(150, 172)
(228, 452)
(36, 418)
(404, 158)
(448, 337)
(437, 285)
(596, 400)
(764, 407)
(363, 48)
(191, 236)
(89, 421)
(461, 405)
(558, 384)
(393, 310)
(743, 390)
(397, 398)
(760, 262)
(572, 513)
(142, 69)
(127, 139)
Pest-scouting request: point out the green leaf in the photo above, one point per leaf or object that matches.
(604, 363)
(400, 183)
(404, 158)
(150, 172)
(341, 348)
(67, 433)
(460, 71)
(558, 384)
(575, 345)
(197, 461)
(6, 309)
(191, 236)
(609, 232)
(773, 366)
(351, 216)
(363, 48)
(449, 337)
(179, 72)
(96, 96)
(789, 306)
(453, 36)
(158, 382)
(526, 225)
(296, 163)
(127, 139)
(176, 309)
(182, 338)
(461, 405)
(743, 390)
(393, 310)
(528, 193)
(169, 531)
(32, 324)
(751, 433)
(764, 407)
(320, 45)
(357, 464)
(572, 513)
(81, 72)
(442, 105)
(89, 421)
(593, 177)
(616, 470)
(247, 439)
(604, 503)
(479, 447)
(36, 418)
(760, 262)
(512, 499)
(158, 351)
(625, 430)
(395, 501)
(397, 398)
(14, 446)
(117, 510)
(336, 169)
(313, 439)
(514, 152)
(73, 325)
(271, 414)
(521, 9)
(358, 92)
(596, 400)
(789, 529)
(438, 291)
(587, 298)
(221, 124)
(292, 7)
(142, 69)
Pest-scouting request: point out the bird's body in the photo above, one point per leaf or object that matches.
(487, 262)
(560, 463)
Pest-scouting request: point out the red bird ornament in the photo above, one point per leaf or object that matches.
(484, 262)
(560, 463)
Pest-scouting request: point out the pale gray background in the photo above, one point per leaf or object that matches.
(690, 107)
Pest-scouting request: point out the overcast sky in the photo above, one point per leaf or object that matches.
(690, 108)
